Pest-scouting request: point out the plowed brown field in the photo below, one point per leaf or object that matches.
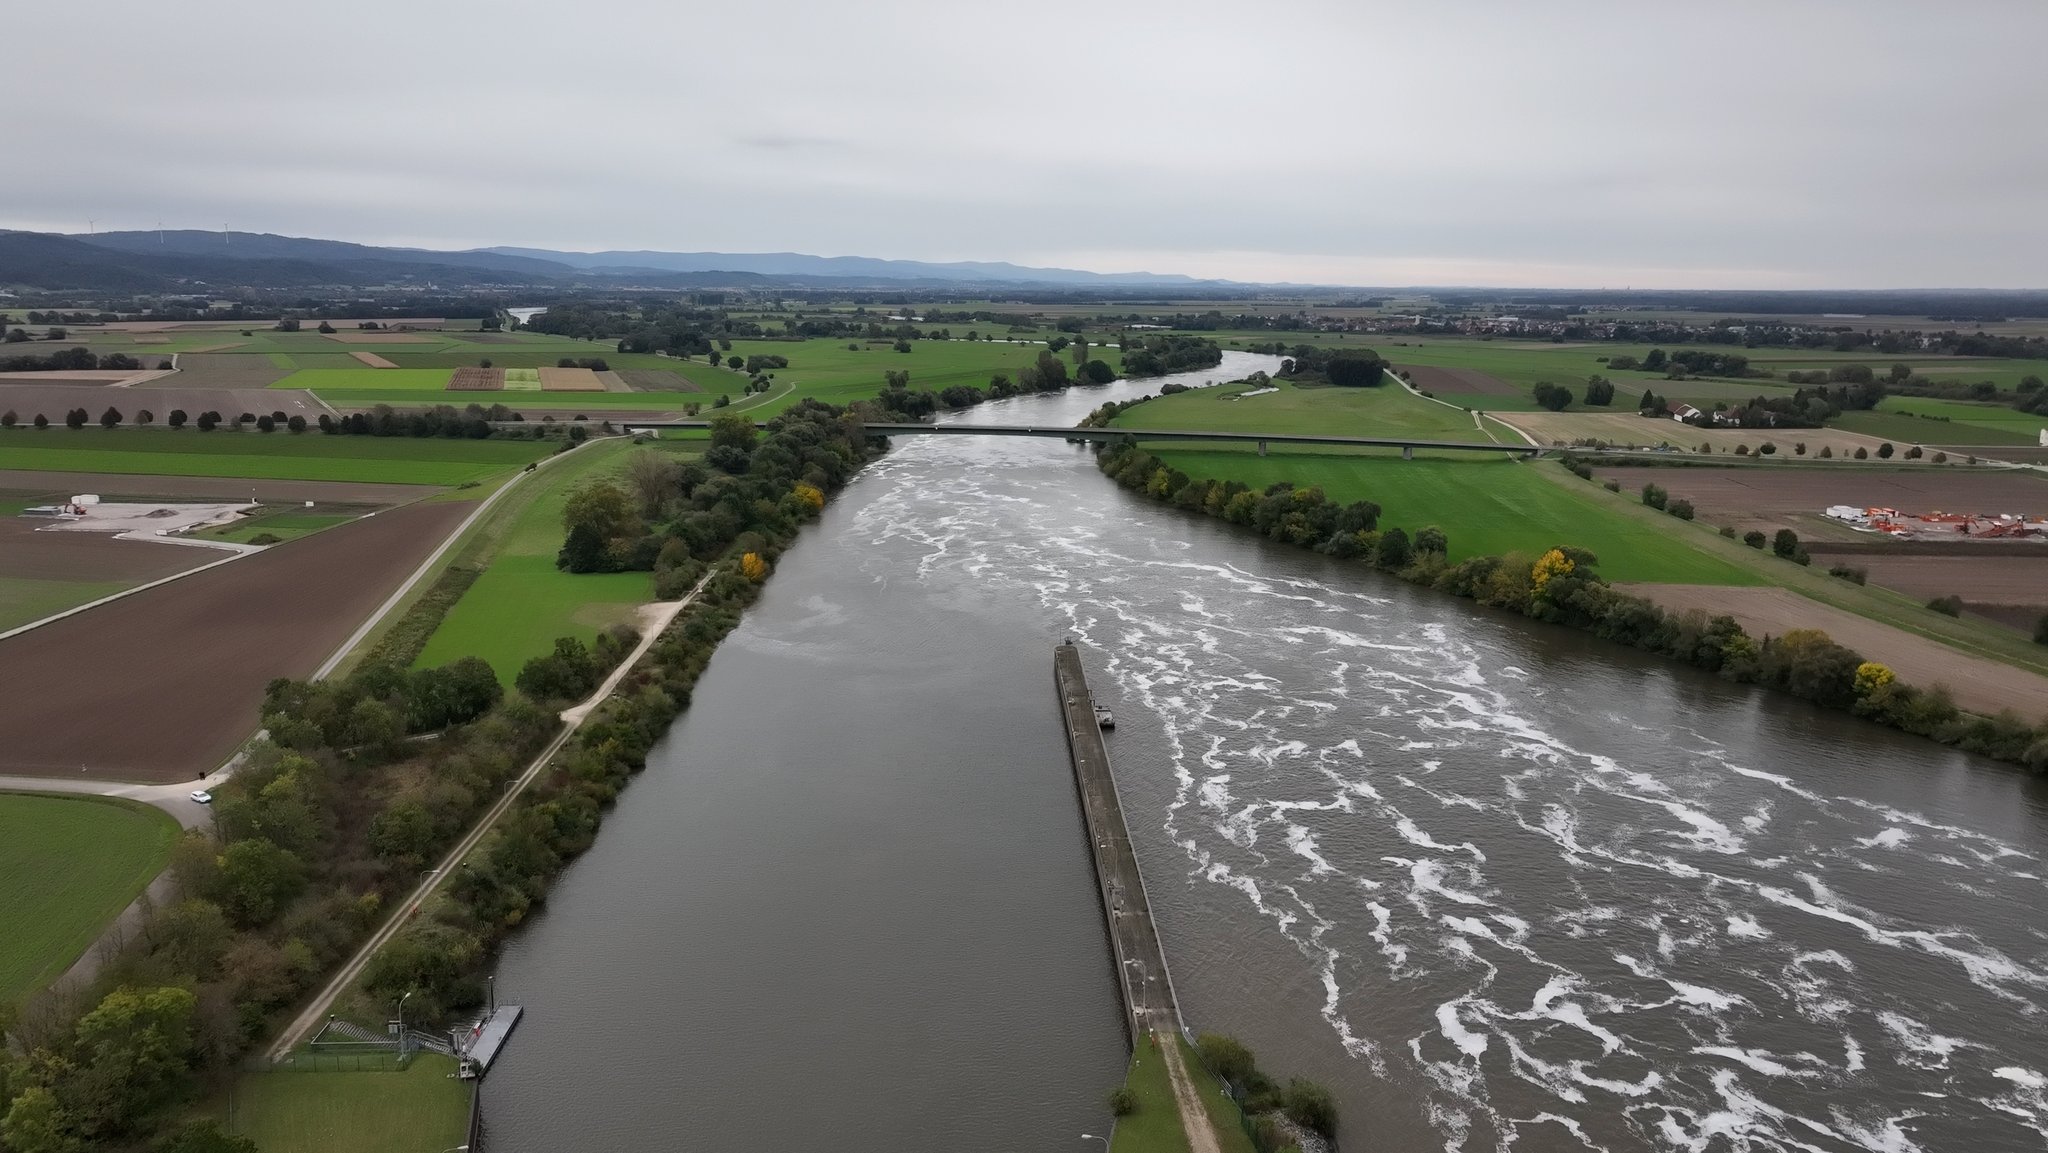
(163, 685)
(1980, 684)
(373, 360)
(1723, 493)
(1462, 381)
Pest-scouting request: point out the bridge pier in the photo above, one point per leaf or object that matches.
(1407, 452)
(1262, 448)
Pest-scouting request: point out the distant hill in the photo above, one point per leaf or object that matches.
(185, 259)
(846, 267)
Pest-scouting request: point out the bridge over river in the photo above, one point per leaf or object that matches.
(1407, 445)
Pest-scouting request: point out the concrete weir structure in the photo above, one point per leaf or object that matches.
(1151, 1012)
(1141, 963)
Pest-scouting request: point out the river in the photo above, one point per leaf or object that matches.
(1493, 882)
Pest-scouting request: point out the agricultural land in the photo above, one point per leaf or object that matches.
(68, 865)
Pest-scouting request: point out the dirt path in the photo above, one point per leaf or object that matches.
(1194, 1116)
(316, 1010)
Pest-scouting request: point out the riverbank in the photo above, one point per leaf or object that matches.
(1563, 586)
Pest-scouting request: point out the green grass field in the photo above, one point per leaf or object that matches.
(1909, 429)
(831, 372)
(68, 866)
(273, 456)
(1994, 417)
(422, 1110)
(1389, 410)
(25, 599)
(363, 377)
(1484, 507)
(522, 602)
(283, 525)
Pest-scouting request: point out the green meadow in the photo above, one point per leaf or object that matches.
(424, 1109)
(522, 602)
(1484, 507)
(257, 455)
(68, 866)
(1389, 410)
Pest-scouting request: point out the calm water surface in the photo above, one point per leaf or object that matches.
(1495, 884)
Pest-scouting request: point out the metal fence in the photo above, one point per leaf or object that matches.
(354, 1057)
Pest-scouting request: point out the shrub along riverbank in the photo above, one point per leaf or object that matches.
(1562, 586)
(333, 817)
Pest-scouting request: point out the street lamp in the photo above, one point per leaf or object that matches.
(401, 1011)
(1093, 1137)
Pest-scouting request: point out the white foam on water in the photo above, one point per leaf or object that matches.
(1743, 925)
(1918, 1043)
(1755, 1059)
(2019, 1076)
(1852, 1055)
(1703, 997)
(1303, 844)
(1891, 838)
(1881, 1136)
(1570, 1126)
(1415, 836)
(1447, 1023)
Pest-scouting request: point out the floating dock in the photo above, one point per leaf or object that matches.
(487, 1039)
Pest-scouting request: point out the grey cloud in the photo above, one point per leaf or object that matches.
(1871, 144)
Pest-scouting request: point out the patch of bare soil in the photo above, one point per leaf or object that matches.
(1980, 684)
(1462, 381)
(162, 685)
(25, 551)
(373, 360)
(655, 380)
(1724, 493)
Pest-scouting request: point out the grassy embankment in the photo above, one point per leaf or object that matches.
(1486, 505)
(1155, 1126)
(421, 1110)
(68, 866)
(265, 456)
(521, 602)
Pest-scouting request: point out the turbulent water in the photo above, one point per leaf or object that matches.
(1495, 884)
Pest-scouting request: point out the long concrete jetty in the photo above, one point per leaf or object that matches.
(1151, 1012)
(1141, 963)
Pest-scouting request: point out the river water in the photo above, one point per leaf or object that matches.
(1494, 883)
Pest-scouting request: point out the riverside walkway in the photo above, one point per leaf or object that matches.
(1152, 1015)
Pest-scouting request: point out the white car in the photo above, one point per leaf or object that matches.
(202, 796)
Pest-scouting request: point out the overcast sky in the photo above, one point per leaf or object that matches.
(1872, 143)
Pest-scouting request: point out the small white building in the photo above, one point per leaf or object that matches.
(1685, 414)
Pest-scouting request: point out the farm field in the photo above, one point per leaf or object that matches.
(172, 676)
(68, 866)
(522, 602)
(827, 370)
(1389, 410)
(424, 1109)
(1626, 428)
(1979, 684)
(364, 377)
(1483, 506)
(1742, 495)
(287, 525)
(47, 572)
(279, 455)
(41, 487)
(1947, 414)
(53, 400)
(2008, 585)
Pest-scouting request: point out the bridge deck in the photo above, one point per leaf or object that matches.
(1120, 435)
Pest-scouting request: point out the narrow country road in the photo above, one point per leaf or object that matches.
(655, 620)
(1194, 1116)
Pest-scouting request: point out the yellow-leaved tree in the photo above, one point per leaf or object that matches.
(753, 567)
(810, 495)
(1550, 566)
(1871, 676)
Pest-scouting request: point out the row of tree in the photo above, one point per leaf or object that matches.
(77, 359)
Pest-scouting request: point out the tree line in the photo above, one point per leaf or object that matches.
(1563, 586)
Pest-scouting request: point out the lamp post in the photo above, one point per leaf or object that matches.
(401, 1011)
(1093, 1137)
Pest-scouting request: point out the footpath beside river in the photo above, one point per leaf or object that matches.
(1149, 1004)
